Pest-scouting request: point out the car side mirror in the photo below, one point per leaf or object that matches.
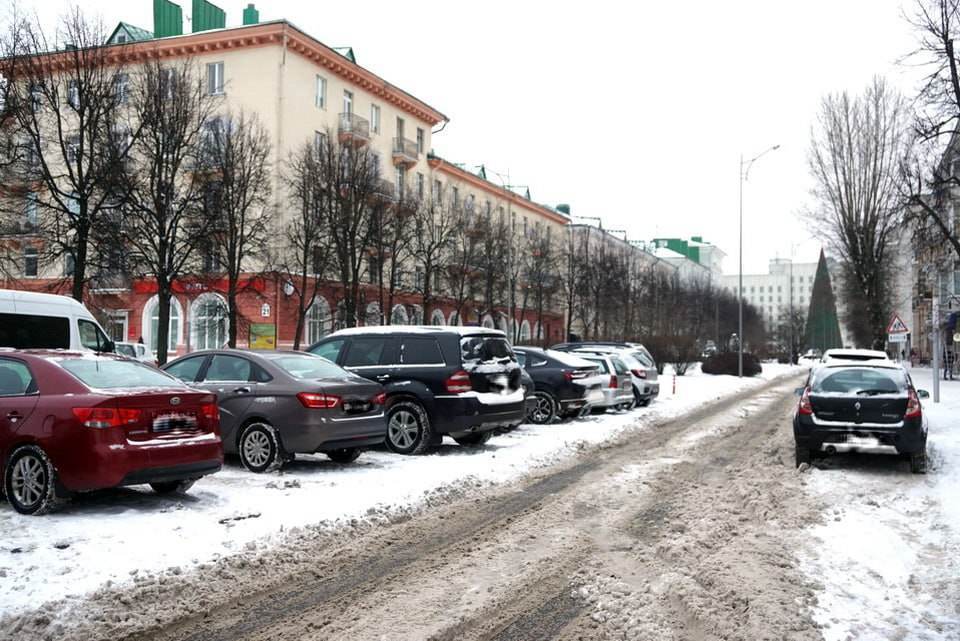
(922, 393)
(109, 347)
(798, 391)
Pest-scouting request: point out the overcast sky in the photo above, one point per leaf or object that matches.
(635, 112)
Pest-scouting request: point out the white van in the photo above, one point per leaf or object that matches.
(47, 321)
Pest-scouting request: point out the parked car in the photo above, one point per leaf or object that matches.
(30, 320)
(810, 358)
(75, 421)
(618, 391)
(459, 381)
(136, 351)
(845, 405)
(566, 385)
(274, 405)
(643, 369)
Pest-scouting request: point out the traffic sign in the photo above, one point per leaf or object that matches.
(896, 338)
(897, 326)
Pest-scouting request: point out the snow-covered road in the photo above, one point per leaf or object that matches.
(116, 537)
(886, 558)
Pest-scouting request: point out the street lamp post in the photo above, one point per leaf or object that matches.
(744, 171)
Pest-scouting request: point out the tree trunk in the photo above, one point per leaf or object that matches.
(163, 323)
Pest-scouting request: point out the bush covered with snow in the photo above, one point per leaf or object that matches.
(726, 363)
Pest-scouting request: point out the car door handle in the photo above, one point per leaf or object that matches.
(242, 390)
(383, 377)
(14, 416)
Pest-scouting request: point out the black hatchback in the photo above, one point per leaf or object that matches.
(852, 405)
(565, 384)
(464, 382)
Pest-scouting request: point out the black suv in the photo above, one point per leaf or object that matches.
(461, 381)
(565, 384)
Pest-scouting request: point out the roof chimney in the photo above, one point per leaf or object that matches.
(167, 19)
(207, 15)
(251, 15)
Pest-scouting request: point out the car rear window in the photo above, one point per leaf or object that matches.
(23, 331)
(420, 351)
(858, 380)
(601, 363)
(102, 373)
(479, 349)
(308, 367)
(619, 366)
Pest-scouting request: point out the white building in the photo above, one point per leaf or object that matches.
(788, 285)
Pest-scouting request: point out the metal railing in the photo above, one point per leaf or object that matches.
(406, 149)
(353, 125)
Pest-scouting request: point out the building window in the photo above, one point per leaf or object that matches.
(215, 78)
(73, 149)
(375, 118)
(69, 265)
(30, 219)
(456, 197)
(401, 180)
(319, 142)
(420, 186)
(209, 322)
(418, 279)
(347, 102)
(437, 191)
(168, 79)
(73, 93)
(117, 326)
(400, 127)
(320, 100)
(373, 270)
(420, 140)
(121, 85)
(317, 321)
(30, 262)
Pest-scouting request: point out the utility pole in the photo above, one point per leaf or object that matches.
(935, 326)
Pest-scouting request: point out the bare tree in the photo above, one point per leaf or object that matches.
(236, 154)
(164, 225)
(305, 258)
(391, 238)
(855, 155)
(462, 273)
(433, 229)
(69, 97)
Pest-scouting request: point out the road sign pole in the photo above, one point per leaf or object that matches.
(936, 347)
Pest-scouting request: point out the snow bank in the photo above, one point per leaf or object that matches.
(886, 557)
(115, 536)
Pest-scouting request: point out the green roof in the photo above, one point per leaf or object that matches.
(131, 32)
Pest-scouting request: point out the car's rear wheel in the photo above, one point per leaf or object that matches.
(173, 487)
(30, 481)
(918, 462)
(802, 455)
(345, 455)
(473, 440)
(544, 410)
(260, 448)
(408, 428)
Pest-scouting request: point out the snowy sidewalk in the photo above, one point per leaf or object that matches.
(115, 535)
(886, 559)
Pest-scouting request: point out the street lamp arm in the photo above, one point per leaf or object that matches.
(745, 166)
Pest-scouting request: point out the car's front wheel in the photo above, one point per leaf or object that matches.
(544, 409)
(259, 447)
(30, 481)
(345, 455)
(408, 428)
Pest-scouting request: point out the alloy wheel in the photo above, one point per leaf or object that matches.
(543, 409)
(403, 429)
(28, 480)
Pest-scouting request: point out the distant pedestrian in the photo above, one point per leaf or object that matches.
(948, 364)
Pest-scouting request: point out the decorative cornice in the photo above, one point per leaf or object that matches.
(441, 165)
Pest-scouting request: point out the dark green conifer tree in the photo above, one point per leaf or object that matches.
(823, 326)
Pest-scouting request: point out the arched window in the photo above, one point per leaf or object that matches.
(398, 316)
(454, 318)
(373, 314)
(151, 322)
(317, 323)
(208, 318)
(417, 315)
(488, 321)
(503, 325)
(437, 318)
(525, 332)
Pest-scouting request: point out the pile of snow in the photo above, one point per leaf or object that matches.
(886, 558)
(118, 535)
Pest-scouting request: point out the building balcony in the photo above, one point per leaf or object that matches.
(405, 152)
(383, 192)
(353, 130)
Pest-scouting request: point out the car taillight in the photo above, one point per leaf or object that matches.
(805, 407)
(210, 412)
(104, 417)
(318, 401)
(639, 373)
(458, 382)
(614, 383)
(913, 405)
(379, 399)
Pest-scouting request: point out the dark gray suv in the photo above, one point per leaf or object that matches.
(461, 381)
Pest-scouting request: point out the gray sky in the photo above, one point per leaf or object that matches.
(632, 111)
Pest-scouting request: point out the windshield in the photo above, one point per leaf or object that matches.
(475, 349)
(861, 381)
(308, 366)
(103, 373)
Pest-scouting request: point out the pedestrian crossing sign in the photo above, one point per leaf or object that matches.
(897, 326)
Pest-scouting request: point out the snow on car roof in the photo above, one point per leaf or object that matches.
(839, 352)
(567, 358)
(463, 330)
(840, 363)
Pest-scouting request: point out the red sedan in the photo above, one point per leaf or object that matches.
(74, 422)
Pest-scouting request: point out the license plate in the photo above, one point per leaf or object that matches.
(174, 421)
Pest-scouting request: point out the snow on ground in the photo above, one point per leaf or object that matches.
(886, 558)
(112, 536)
